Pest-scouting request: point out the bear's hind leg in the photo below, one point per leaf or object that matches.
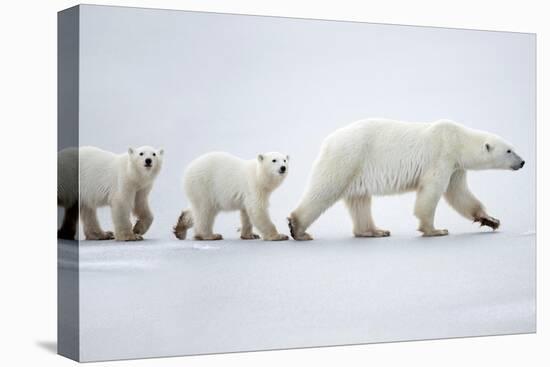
(246, 227)
(359, 208)
(203, 219)
(70, 223)
(120, 211)
(92, 229)
(329, 181)
(427, 198)
(185, 221)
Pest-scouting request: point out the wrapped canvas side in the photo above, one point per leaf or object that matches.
(67, 139)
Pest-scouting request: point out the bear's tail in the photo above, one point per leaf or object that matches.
(185, 221)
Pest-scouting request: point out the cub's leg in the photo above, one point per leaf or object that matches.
(203, 220)
(246, 227)
(142, 212)
(185, 221)
(359, 208)
(428, 195)
(259, 215)
(70, 223)
(464, 202)
(121, 209)
(92, 229)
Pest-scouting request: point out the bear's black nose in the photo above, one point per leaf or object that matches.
(522, 164)
(283, 169)
(148, 161)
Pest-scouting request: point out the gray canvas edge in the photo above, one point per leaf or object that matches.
(304, 18)
(68, 332)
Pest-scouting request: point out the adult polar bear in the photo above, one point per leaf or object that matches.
(121, 181)
(384, 157)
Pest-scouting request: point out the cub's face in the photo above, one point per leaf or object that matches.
(146, 159)
(274, 164)
(501, 155)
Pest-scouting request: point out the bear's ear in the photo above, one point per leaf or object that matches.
(288, 158)
(130, 151)
(161, 151)
(488, 147)
(260, 157)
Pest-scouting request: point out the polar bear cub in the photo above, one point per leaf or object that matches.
(384, 157)
(219, 181)
(121, 181)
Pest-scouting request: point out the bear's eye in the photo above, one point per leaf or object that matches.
(154, 154)
(141, 153)
(508, 151)
(284, 160)
(274, 161)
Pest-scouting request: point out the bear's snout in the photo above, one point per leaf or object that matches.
(282, 169)
(519, 165)
(148, 162)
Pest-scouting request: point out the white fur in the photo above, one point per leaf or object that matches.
(221, 182)
(383, 157)
(121, 181)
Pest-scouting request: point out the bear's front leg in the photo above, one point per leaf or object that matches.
(260, 219)
(142, 212)
(427, 197)
(90, 224)
(460, 197)
(246, 227)
(486, 220)
(121, 209)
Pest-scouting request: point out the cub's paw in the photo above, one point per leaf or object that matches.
(434, 232)
(108, 235)
(373, 233)
(101, 236)
(209, 237)
(488, 221)
(277, 237)
(129, 237)
(302, 237)
(250, 236)
(179, 233)
(140, 227)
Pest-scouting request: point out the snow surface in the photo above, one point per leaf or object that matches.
(166, 297)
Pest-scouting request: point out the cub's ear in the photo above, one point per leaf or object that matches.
(260, 157)
(488, 147)
(130, 151)
(161, 151)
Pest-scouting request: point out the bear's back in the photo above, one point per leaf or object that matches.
(216, 174)
(99, 170)
(391, 155)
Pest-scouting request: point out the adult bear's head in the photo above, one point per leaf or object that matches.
(498, 154)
